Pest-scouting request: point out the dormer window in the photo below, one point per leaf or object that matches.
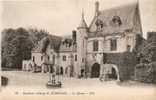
(116, 21)
(99, 24)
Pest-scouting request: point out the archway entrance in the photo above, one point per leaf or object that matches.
(109, 72)
(112, 74)
(95, 71)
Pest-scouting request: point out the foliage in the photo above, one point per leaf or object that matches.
(146, 55)
(146, 72)
(17, 45)
(147, 51)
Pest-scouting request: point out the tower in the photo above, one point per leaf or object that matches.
(81, 40)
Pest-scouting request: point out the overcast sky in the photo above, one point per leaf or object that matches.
(60, 17)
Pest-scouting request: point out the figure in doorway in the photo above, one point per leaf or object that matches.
(61, 72)
(82, 73)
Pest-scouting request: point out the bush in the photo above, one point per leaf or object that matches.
(146, 72)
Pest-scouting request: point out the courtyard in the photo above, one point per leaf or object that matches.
(37, 81)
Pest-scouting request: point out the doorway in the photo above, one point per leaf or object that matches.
(113, 74)
(95, 71)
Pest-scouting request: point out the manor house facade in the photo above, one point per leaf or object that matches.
(111, 31)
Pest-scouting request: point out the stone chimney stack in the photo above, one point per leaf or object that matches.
(74, 35)
(96, 8)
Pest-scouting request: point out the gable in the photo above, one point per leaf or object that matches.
(51, 40)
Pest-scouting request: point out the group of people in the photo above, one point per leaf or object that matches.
(58, 72)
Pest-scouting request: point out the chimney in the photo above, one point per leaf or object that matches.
(96, 8)
(74, 35)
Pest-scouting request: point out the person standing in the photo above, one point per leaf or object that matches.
(52, 73)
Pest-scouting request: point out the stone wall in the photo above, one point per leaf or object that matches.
(125, 62)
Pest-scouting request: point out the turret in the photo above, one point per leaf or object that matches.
(82, 30)
(82, 23)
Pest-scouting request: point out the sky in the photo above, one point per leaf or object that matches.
(60, 17)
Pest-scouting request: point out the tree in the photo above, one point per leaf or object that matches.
(17, 45)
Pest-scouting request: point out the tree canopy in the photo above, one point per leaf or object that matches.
(17, 45)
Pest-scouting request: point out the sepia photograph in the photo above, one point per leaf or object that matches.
(78, 48)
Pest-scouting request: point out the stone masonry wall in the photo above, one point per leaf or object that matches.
(125, 62)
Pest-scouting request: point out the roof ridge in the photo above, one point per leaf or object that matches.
(120, 7)
(51, 35)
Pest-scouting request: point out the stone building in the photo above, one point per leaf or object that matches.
(94, 47)
(111, 32)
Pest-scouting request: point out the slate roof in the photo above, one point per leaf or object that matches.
(54, 41)
(82, 22)
(128, 14)
(59, 44)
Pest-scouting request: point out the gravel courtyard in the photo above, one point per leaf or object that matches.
(37, 81)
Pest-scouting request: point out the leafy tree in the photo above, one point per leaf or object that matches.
(17, 45)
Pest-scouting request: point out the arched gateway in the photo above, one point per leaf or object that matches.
(95, 70)
(109, 71)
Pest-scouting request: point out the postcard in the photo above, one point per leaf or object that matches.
(78, 49)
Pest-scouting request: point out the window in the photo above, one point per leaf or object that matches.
(128, 48)
(41, 58)
(48, 57)
(113, 44)
(64, 58)
(33, 59)
(54, 59)
(116, 20)
(95, 45)
(75, 57)
(99, 24)
(82, 59)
